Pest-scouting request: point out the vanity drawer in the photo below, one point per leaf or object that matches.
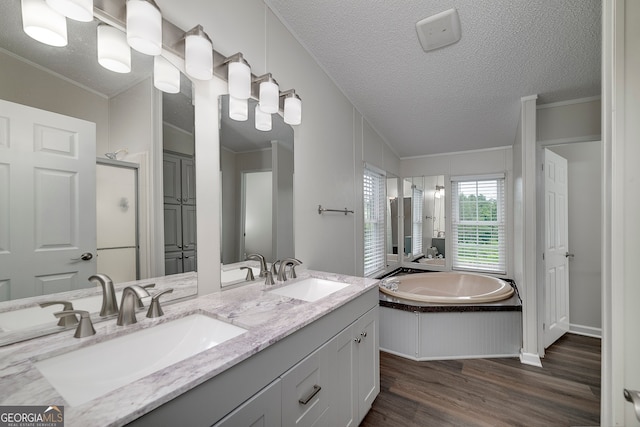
(305, 394)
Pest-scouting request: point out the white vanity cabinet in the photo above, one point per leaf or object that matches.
(333, 386)
(337, 353)
(356, 370)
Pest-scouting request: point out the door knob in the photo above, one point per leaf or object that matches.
(568, 255)
(633, 396)
(87, 256)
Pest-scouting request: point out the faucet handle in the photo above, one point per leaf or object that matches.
(249, 277)
(154, 308)
(85, 327)
(66, 306)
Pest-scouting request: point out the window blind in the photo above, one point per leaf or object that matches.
(417, 202)
(478, 224)
(374, 229)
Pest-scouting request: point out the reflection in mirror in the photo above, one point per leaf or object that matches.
(257, 193)
(79, 110)
(392, 215)
(428, 219)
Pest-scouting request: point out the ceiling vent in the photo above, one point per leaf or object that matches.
(439, 30)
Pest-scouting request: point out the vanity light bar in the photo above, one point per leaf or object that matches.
(113, 12)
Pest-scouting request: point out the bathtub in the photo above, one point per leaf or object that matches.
(447, 288)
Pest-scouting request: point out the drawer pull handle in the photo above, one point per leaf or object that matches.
(305, 400)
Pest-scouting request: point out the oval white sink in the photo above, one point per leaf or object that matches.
(89, 372)
(310, 289)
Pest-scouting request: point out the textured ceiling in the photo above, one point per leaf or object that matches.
(464, 96)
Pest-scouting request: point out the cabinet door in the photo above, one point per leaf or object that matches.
(188, 173)
(189, 261)
(171, 177)
(172, 263)
(305, 394)
(262, 410)
(172, 228)
(368, 360)
(344, 408)
(189, 234)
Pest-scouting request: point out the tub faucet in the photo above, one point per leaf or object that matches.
(109, 302)
(282, 270)
(131, 298)
(263, 263)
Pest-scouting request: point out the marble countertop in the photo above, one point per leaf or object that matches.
(267, 317)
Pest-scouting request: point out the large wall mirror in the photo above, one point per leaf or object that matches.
(425, 220)
(257, 192)
(127, 121)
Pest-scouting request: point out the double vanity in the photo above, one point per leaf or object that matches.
(302, 352)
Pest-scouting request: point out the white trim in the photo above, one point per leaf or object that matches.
(569, 102)
(531, 359)
(587, 331)
(561, 141)
(479, 150)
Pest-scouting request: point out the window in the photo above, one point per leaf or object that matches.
(374, 210)
(478, 223)
(417, 201)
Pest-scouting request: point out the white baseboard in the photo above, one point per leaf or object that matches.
(585, 330)
(530, 359)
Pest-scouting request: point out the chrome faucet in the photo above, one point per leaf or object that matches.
(109, 302)
(282, 270)
(131, 299)
(263, 263)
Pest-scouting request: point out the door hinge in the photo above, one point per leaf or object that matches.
(543, 166)
(543, 256)
(544, 326)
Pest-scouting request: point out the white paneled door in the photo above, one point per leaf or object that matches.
(48, 205)
(556, 250)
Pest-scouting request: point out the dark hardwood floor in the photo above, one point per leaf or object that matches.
(492, 392)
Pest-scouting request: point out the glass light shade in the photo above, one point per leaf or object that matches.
(166, 77)
(269, 97)
(238, 109)
(198, 53)
(292, 110)
(239, 80)
(113, 51)
(144, 27)
(263, 120)
(78, 10)
(44, 24)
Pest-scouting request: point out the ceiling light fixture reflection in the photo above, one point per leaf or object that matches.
(78, 10)
(113, 51)
(239, 76)
(198, 54)
(263, 120)
(292, 107)
(44, 24)
(166, 77)
(144, 26)
(238, 109)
